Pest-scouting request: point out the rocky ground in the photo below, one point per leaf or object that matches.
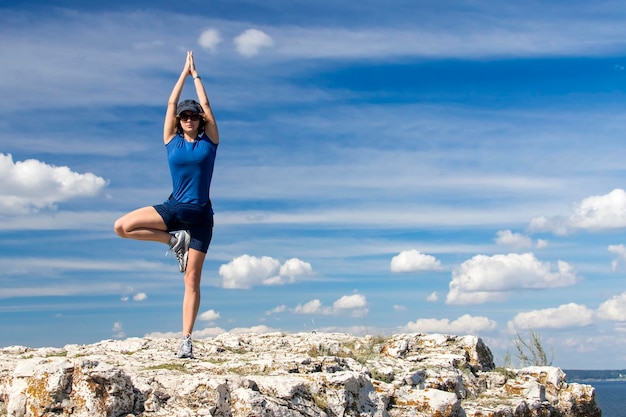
(299, 375)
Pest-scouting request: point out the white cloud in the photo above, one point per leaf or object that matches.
(354, 305)
(399, 308)
(254, 329)
(209, 315)
(585, 345)
(251, 41)
(202, 333)
(567, 315)
(412, 261)
(140, 296)
(614, 309)
(523, 39)
(570, 315)
(600, 212)
(433, 297)
(491, 278)
(278, 280)
(295, 267)
(279, 309)
(31, 185)
(311, 307)
(214, 332)
(209, 39)
(197, 334)
(247, 271)
(118, 330)
(516, 240)
(555, 224)
(619, 250)
(465, 324)
(348, 302)
(38, 265)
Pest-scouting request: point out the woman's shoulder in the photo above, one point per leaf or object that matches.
(175, 139)
(205, 138)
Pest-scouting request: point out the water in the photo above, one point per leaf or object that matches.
(610, 396)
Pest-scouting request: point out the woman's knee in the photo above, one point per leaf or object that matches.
(195, 263)
(120, 227)
(192, 279)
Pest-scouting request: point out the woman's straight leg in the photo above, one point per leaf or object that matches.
(191, 299)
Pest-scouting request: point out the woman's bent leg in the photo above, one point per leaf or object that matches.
(142, 224)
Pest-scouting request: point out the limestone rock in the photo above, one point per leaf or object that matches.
(283, 375)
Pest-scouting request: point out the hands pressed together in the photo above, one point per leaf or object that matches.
(190, 66)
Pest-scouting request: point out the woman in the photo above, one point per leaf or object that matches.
(185, 220)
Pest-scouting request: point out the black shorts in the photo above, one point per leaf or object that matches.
(188, 216)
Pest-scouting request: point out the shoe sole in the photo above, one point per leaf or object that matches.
(182, 268)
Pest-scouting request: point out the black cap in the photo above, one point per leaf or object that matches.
(188, 105)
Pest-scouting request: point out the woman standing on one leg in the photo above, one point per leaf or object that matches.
(191, 138)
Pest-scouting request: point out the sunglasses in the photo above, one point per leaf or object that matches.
(194, 117)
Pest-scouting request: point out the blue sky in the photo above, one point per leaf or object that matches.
(384, 167)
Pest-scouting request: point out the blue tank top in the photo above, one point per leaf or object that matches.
(191, 167)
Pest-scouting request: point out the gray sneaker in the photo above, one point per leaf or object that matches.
(186, 348)
(181, 248)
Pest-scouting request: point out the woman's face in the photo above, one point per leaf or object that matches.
(189, 121)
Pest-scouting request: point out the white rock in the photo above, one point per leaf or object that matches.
(286, 375)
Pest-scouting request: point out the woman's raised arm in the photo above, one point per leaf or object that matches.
(210, 126)
(169, 126)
